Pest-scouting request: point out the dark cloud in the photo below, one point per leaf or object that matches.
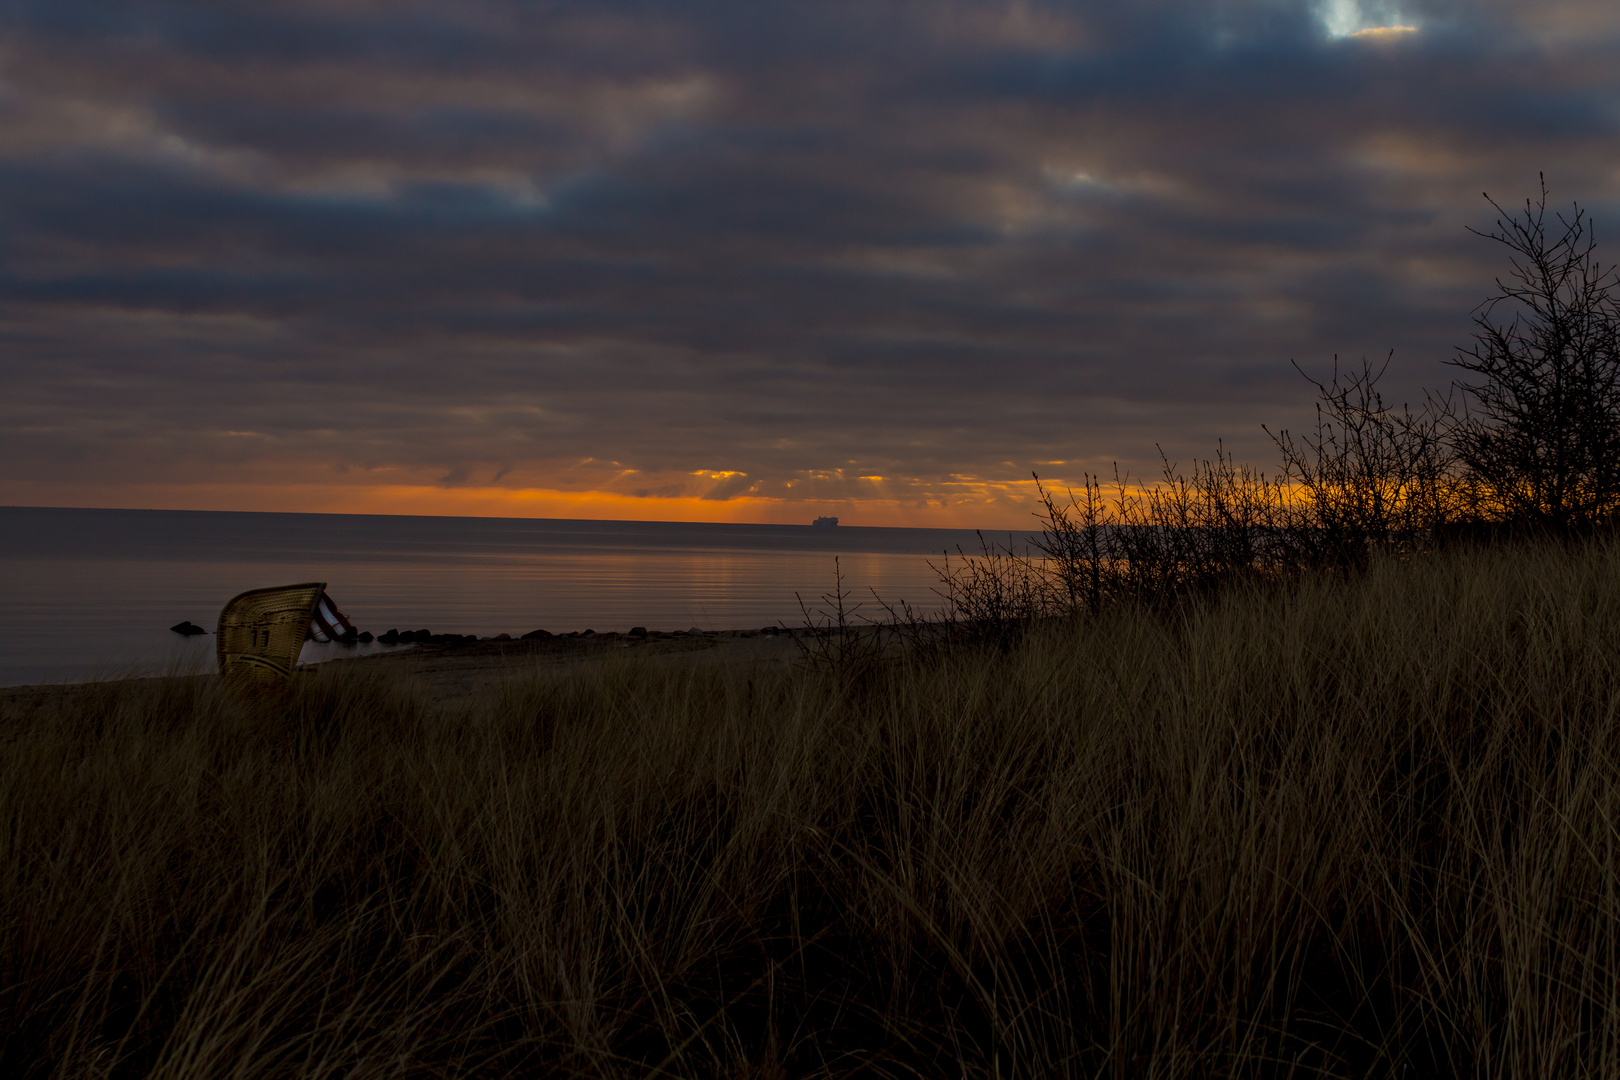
(618, 244)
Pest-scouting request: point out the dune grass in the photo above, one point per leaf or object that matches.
(1360, 826)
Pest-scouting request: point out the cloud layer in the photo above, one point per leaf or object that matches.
(743, 257)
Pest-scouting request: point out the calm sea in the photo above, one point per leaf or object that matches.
(92, 593)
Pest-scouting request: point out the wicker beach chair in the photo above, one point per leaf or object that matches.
(262, 631)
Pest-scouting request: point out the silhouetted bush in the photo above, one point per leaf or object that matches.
(1370, 478)
(1542, 434)
(1188, 534)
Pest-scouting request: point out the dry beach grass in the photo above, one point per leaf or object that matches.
(1354, 826)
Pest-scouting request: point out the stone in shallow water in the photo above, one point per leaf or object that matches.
(450, 639)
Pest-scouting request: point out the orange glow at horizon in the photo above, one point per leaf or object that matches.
(973, 505)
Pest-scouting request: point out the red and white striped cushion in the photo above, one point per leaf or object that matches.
(328, 623)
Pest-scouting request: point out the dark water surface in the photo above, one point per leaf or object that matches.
(92, 593)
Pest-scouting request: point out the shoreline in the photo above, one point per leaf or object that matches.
(446, 671)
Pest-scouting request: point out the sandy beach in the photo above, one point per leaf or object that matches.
(446, 673)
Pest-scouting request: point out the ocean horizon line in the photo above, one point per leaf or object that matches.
(660, 522)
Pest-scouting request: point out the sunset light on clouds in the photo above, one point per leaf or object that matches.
(741, 262)
(1352, 18)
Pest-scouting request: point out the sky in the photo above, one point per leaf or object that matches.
(744, 261)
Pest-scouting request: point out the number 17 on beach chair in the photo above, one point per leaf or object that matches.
(262, 631)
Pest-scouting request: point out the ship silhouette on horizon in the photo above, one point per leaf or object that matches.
(825, 523)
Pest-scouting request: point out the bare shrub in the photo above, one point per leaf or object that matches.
(1542, 434)
(1188, 534)
(835, 634)
(1194, 532)
(1371, 477)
